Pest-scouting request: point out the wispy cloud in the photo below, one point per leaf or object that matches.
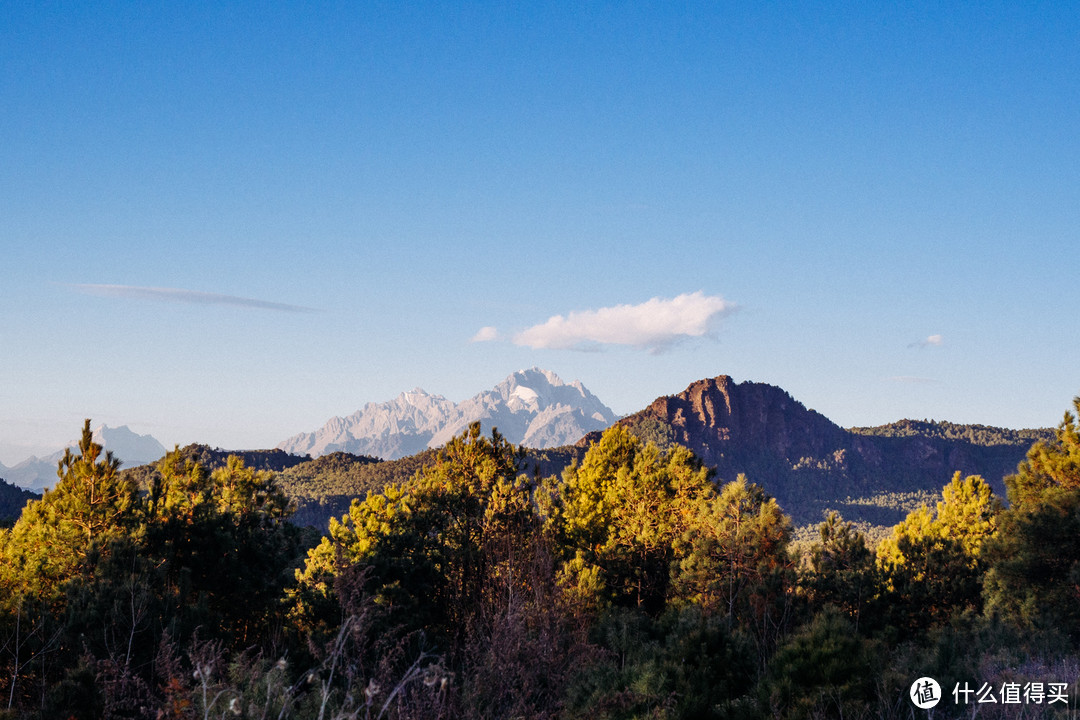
(653, 325)
(930, 341)
(190, 297)
(485, 334)
(912, 380)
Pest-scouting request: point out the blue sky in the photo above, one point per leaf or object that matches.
(227, 222)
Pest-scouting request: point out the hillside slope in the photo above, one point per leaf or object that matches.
(810, 464)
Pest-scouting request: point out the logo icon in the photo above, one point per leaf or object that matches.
(925, 693)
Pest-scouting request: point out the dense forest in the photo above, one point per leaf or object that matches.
(632, 584)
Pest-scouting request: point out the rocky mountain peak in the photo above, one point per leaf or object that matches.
(716, 414)
(533, 407)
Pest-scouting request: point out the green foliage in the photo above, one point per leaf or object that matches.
(99, 571)
(1034, 576)
(735, 557)
(841, 570)
(932, 564)
(221, 543)
(88, 507)
(982, 435)
(442, 547)
(630, 587)
(650, 429)
(621, 514)
(324, 488)
(210, 459)
(1049, 464)
(638, 528)
(683, 664)
(824, 670)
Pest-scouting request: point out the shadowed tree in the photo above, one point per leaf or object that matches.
(841, 570)
(1034, 578)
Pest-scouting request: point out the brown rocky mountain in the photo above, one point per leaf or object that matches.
(810, 464)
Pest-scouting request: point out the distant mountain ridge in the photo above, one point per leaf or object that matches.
(810, 464)
(531, 407)
(128, 446)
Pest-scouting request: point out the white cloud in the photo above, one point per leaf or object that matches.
(930, 341)
(192, 297)
(912, 380)
(653, 325)
(485, 334)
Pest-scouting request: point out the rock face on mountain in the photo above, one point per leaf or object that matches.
(721, 420)
(402, 426)
(531, 407)
(805, 460)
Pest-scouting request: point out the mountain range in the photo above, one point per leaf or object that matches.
(131, 448)
(534, 408)
(873, 475)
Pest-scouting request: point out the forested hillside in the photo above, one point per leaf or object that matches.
(813, 466)
(12, 501)
(632, 585)
(983, 435)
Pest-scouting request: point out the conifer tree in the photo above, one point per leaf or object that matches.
(619, 516)
(1049, 464)
(442, 549)
(841, 569)
(90, 505)
(1034, 578)
(932, 564)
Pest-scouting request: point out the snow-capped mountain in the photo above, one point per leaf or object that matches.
(128, 446)
(531, 407)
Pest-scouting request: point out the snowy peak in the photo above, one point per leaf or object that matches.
(531, 407)
(522, 395)
(416, 396)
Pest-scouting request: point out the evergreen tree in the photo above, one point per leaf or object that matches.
(932, 564)
(1034, 575)
(1053, 464)
(735, 561)
(620, 515)
(824, 670)
(90, 505)
(444, 549)
(52, 551)
(1034, 578)
(841, 570)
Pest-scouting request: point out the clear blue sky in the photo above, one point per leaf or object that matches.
(875, 206)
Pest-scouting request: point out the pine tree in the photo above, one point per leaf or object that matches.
(90, 505)
(932, 564)
(619, 516)
(1034, 578)
(443, 549)
(1049, 464)
(841, 569)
